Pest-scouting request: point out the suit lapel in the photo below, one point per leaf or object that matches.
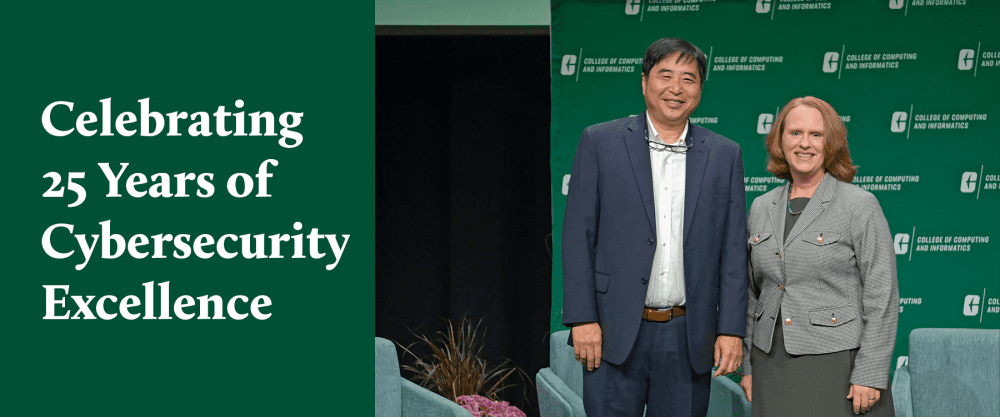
(823, 194)
(697, 160)
(777, 214)
(638, 155)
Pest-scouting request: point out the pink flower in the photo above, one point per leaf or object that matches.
(481, 406)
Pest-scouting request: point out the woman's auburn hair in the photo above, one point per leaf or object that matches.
(836, 155)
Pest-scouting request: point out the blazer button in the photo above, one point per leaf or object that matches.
(788, 322)
(650, 242)
(644, 280)
(819, 239)
(833, 320)
(781, 286)
(756, 239)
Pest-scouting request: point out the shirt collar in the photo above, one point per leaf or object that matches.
(654, 135)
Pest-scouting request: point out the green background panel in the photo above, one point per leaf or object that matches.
(932, 84)
(277, 57)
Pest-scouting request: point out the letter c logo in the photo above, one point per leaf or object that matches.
(901, 243)
(763, 6)
(969, 182)
(764, 123)
(966, 59)
(830, 61)
(632, 7)
(568, 65)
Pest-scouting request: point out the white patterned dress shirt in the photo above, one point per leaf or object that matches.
(666, 278)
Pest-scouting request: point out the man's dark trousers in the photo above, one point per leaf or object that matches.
(656, 374)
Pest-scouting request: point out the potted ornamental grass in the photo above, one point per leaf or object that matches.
(456, 369)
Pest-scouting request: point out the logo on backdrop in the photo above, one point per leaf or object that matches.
(565, 185)
(769, 6)
(632, 7)
(901, 243)
(573, 65)
(971, 306)
(896, 4)
(974, 59)
(763, 6)
(966, 59)
(764, 122)
(903, 121)
(568, 65)
(837, 62)
(830, 61)
(977, 182)
(908, 244)
(640, 7)
(969, 182)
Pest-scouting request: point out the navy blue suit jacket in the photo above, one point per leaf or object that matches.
(609, 237)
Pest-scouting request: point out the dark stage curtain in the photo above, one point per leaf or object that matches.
(463, 211)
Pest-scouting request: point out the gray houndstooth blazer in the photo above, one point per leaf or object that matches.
(834, 278)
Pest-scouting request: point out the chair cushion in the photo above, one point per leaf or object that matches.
(388, 402)
(563, 362)
(954, 372)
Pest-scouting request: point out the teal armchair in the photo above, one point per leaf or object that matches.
(398, 397)
(950, 372)
(560, 386)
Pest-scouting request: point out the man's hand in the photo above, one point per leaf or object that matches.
(728, 354)
(747, 383)
(864, 397)
(587, 344)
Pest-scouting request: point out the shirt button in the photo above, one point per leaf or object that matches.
(788, 322)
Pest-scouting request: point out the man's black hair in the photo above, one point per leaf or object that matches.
(667, 46)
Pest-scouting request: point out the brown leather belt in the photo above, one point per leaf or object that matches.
(654, 314)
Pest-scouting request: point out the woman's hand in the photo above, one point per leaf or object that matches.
(746, 384)
(864, 397)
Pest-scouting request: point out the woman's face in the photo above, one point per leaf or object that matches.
(802, 141)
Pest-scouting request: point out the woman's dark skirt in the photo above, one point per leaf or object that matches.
(806, 385)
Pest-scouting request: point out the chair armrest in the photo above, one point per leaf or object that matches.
(555, 398)
(901, 396)
(419, 401)
(727, 399)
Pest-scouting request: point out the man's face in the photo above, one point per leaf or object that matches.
(672, 89)
(802, 141)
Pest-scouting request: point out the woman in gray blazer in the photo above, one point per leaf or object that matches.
(821, 319)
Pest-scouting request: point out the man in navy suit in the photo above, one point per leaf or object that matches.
(654, 249)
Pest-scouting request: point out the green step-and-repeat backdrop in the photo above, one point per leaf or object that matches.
(915, 81)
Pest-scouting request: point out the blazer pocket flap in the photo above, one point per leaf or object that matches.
(758, 311)
(832, 316)
(601, 280)
(820, 238)
(715, 191)
(757, 238)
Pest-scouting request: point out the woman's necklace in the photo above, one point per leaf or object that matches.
(790, 203)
